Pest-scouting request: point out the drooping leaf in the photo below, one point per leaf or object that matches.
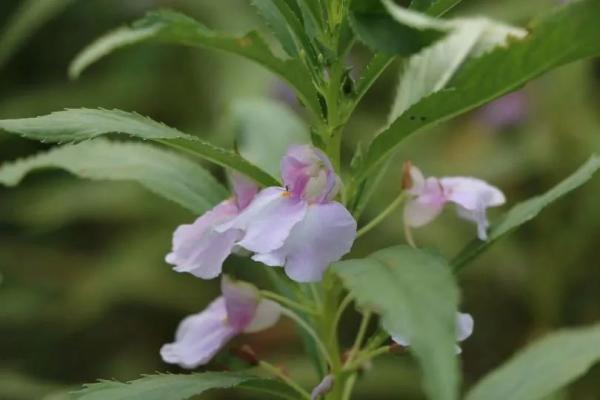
(179, 387)
(527, 210)
(28, 18)
(176, 28)
(432, 68)
(567, 34)
(376, 28)
(165, 173)
(259, 122)
(543, 367)
(417, 298)
(81, 124)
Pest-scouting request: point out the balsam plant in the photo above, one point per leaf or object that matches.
(306, 221)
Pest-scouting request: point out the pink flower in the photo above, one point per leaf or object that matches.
(464, 329)
(428, 196)
(298, 227)
(198, 248)
(200, 336)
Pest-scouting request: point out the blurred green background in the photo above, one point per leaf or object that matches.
(84, 290)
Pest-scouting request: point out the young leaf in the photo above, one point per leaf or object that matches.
(260, 121)
(432, 68)
(543, 367)
(526, 211)
(417, 298)
(165, 173)
(280, 27)
(28, 18)
(569, 33)
(176, 28)
(180, 387)
(81, 124)
(374, 27)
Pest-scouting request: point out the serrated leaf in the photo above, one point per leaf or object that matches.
(175, 28)
(81, 124)
(163, 172)
(273, 17)
(178, 387)
(261, 121)
(543, 367)
(432, 68)
(526, 211)
(417, 298)
(568, 34)
(28, 18)
(375, 28)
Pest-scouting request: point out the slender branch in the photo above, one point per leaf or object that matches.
(363, 358)
(290, 303)
(378, 219)
(348, 387)
(302, 323)
(362, 330)
(273, 370)
(338, 315)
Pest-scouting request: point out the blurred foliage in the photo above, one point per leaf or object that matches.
(84, 291)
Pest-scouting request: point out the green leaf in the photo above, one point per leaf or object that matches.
(176, 28)
(417, 298)
(568, 34)
(274, 18)
(373, 70)
(28, 18)
(375, 28)
(526, 211)
(543, 367)
(432, 68)
(179, 387)
(260, 121)
(163, 172)
(81, 124)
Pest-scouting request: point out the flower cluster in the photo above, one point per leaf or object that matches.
(301, 228)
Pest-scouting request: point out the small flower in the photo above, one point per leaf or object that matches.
(198, 248)
(464, 329)
(200, 336)
(298, 227)
(428, 196)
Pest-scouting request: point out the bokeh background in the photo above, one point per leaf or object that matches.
(85, 293)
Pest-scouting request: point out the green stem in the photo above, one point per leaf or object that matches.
(273, 370)
(303, 324)
(362, 330)
(378, 219)
(348, 387)
(363, 358)
(338, 315)
(285, 301)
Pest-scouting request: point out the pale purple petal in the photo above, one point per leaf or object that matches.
(268, 220)
(473, 196)
(200, 250)
(323, 387)
(417, 213)
(464, 326)
(241, 301)
(244, 189)
(267, 314)
(199, 337)
(308, 174)
(324, 235)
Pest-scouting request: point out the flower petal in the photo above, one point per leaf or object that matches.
(473, 196)
(417, 213)
(199, 337)
(241, 301)
(321, 238)
(267, 314)
(200, 250)
(268, 220)
(323, 387)
(464, 326)
(244, 188)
